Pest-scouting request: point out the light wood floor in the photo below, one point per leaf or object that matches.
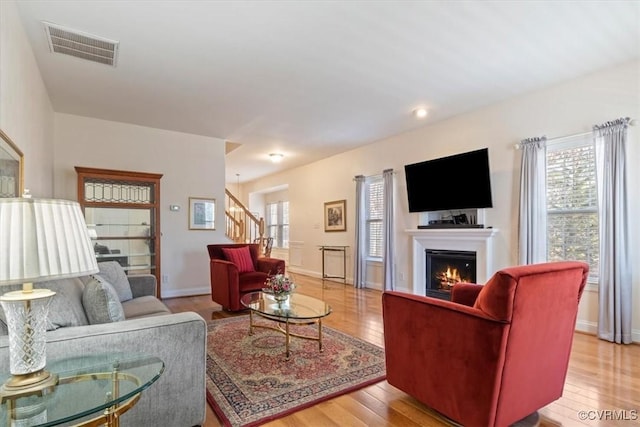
(602, 376)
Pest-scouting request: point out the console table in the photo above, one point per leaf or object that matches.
(106, 385)
(342, 250)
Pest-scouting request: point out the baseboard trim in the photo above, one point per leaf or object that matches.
(587, 327)
(186, 292)
(302, 271)
(317, 275)
(592, 329)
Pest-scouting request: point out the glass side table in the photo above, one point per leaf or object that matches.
(91, 391)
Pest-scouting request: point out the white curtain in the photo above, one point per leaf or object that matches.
(614, 287)
(533, 201)
(388, 231)
(359, 269)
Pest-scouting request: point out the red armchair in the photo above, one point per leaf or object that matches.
(236, 273)
(494, 354)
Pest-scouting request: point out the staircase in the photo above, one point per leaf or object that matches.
(242, 226)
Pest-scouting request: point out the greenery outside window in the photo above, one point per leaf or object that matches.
(277, 223)
(572, 203)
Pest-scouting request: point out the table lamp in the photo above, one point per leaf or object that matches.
(40, 240)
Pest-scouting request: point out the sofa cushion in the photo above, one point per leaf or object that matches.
(113, 272)
(143, 307)
(66, 307)
(241, 257)
(101, 302)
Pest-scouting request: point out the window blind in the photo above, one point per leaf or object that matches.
(374, 209)
(572, 204)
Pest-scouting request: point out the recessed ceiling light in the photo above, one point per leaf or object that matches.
(420, 113)
(276, 157)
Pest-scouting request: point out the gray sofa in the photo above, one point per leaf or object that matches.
(177, 398)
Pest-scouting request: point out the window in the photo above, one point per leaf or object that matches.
(277, 223)
(572, 203)
(374, 194)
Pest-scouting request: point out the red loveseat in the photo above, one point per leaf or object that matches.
(235, 273)
(494, 354)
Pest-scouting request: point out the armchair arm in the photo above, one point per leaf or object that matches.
(225, 284)
(447, 355)
(271, 265)
(142, 285)
(465, 293)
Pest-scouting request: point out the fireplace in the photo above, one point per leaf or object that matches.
(446, 268)
(478, 240)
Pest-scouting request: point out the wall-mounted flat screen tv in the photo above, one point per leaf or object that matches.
(461, 181)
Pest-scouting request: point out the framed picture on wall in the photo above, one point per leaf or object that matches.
(202, 214)
(335, 216)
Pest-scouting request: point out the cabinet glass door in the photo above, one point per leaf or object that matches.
(123, 235)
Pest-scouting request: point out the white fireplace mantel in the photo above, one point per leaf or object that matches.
(478, 240)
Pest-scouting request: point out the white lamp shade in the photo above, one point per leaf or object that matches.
(43, 239)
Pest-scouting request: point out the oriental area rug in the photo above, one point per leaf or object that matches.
(249, 381)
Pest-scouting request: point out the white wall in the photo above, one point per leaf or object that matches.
(26, 114)
(276, 196)
(192, 166)
(567, 108)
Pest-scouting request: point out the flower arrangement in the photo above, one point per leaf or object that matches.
(279, 284)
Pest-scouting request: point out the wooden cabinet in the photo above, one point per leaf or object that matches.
(122, 211)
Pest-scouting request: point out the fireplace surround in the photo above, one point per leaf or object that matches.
(478, 240)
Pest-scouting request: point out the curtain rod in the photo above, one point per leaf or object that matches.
(632, 122)
(378, 174)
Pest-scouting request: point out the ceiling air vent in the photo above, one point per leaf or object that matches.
(81, 45)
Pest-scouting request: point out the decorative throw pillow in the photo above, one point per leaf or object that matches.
(66, 306)
(241, 257)
(101, 302)
(113, 273)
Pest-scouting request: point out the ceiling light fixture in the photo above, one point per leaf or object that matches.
(276, 157)
(420, 113)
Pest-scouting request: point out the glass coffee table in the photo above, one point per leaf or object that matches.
(106, 385)
(297, 309)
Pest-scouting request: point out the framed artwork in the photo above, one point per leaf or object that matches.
(335, 216)
(11, 168)
(202, 214)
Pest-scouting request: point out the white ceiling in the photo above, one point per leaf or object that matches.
(315, 78)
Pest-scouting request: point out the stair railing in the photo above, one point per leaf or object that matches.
(241, 225)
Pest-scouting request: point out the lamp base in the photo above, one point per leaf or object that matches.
(34, 383)
(26, 313)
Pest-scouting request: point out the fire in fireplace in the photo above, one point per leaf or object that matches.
(446, 268)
